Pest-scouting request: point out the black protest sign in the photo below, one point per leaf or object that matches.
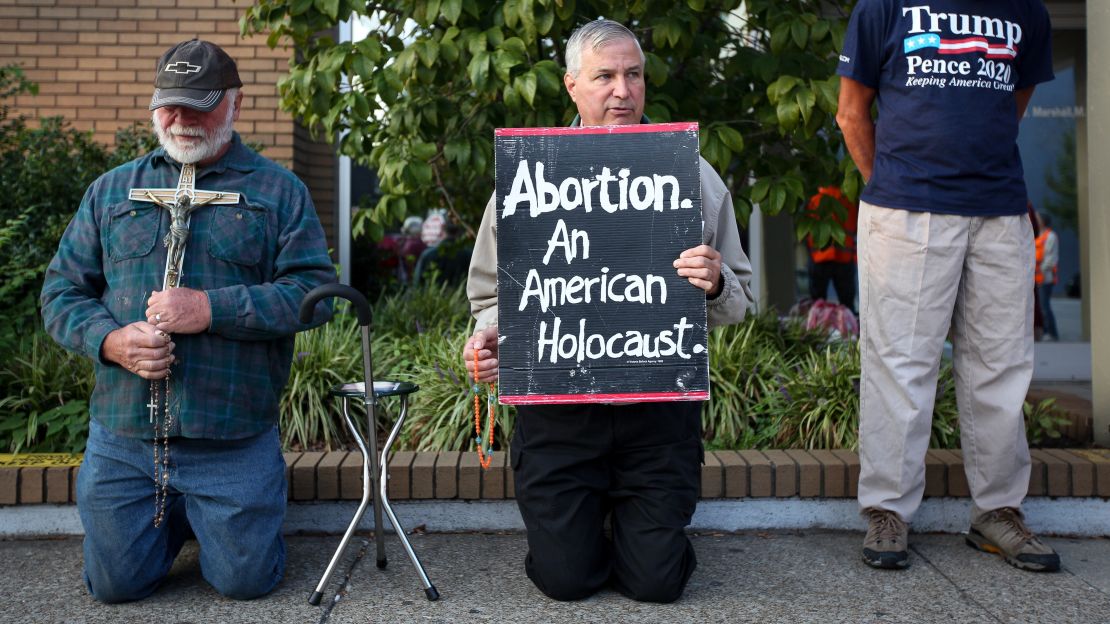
(590, 306)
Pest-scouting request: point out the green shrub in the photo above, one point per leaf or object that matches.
(45, 405)
(774, 385)
(45, 168)
(1043, 422)
(816, 404)
(323, 357)
(44, 171)
(412, 311)
(442, 413)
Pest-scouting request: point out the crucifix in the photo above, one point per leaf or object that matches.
(181, 202)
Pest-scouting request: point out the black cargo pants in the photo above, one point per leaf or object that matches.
(639, 464)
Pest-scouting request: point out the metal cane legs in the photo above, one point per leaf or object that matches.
(373, 473)
(383, 497)
(367, 492)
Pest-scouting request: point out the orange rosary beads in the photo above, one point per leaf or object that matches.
(484, 456)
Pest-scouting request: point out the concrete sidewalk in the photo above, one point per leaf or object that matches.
(801, 576)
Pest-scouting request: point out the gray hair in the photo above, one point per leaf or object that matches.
(597, 34)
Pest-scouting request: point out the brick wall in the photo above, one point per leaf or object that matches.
(316, 164)
(94, 63)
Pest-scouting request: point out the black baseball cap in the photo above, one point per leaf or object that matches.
(195, 74)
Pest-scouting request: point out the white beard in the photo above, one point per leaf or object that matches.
(210, 145)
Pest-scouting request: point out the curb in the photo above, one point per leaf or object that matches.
(1079, 517)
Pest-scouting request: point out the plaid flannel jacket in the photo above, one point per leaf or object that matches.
(255, 260)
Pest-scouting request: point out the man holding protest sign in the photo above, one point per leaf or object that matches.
(638, 463)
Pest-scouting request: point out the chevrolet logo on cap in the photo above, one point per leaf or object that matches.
(195, 74)
(182, 67)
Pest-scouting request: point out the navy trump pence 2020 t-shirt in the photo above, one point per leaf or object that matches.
(946, 73)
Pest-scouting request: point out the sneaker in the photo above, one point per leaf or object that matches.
(1003, 532)
(885, 543)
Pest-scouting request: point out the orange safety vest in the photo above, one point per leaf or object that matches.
(1038, 276)
(842, 254)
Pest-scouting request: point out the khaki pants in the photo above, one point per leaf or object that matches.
(920, 274)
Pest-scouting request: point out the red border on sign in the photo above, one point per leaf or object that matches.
(625, 129)
(638, 397)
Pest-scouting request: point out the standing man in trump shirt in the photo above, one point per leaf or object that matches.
(944, 242)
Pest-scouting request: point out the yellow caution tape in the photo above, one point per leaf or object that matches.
(39, 460)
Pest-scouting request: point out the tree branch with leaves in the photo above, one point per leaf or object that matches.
(419, 98)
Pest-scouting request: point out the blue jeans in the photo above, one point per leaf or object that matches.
(1046, 309)
(230, 494)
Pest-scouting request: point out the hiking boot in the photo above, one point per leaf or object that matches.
(885, 543)
(1003, 532)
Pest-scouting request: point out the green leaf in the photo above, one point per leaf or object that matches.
(545, 21)
(656, 70)
(818, 31)
(431, 10)
(731, 138)
(787, 113)
(370, 48)
(850, 184)
(424, 151)
(321, 102)
(526, 86)
(449, 51)
(362, 67)
(457, 150)
(405, 61)
(330, 8)
(795, 187)
(451, 9)
(766, 67)
(778, 89)
(800, 32)
(674, 32)
(300, 7)
(527, 15)
(361, 106)
(826, 92)
(777, 201)
(697, 5)
(476, 41)
(779, 36)
(564, 9)
(421, 171)
(495, 37)
(399, 206)
(759, 189)
(478, 70)
(806, 100)
(504, 61)
(480, 159)
(428, 51)
(549, 77)
(515, 44)
(511, 98)
(511, 12)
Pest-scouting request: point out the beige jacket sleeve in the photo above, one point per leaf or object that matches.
(719, 231)
(481, 284)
